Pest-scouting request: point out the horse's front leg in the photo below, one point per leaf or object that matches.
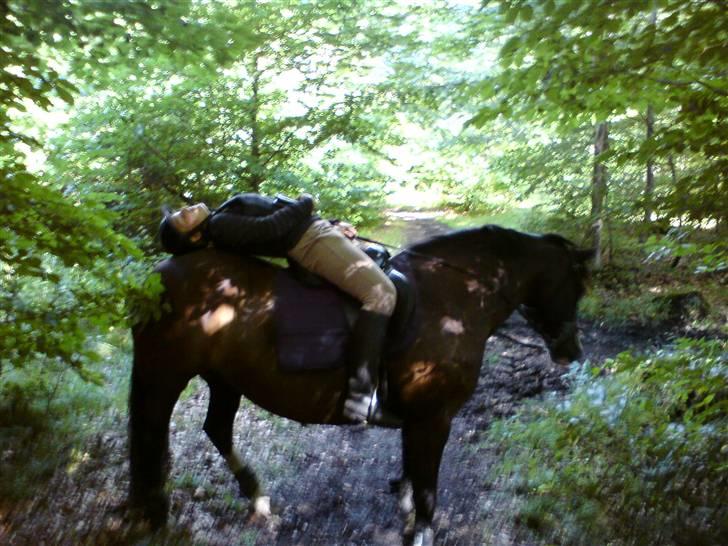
(422, 446)
(224, 403)
(151, 402)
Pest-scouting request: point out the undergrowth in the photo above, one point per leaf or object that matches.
(653, 296)
(623, 307)
(634, 455)
(47, 410)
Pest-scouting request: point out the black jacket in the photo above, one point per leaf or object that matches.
(253, 224)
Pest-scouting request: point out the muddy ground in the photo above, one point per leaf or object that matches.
(329, 485)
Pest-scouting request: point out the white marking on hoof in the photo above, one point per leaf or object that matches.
(261, 507)
(424, 537)
(406, 498)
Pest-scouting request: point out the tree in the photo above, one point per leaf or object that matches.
(568, 64)
(63, 269)
(181, 133)
(599, 190)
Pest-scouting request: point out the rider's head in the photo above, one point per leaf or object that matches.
(182, 231)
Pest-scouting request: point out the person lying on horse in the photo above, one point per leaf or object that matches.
(254, 224)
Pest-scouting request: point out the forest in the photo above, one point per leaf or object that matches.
(604, 121)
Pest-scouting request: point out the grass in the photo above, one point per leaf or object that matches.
(195, 385)
(639, 309)
(515, 218)
(636, 292)
(393, 231)
(186, 480)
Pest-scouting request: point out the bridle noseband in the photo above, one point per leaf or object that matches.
(567, 330)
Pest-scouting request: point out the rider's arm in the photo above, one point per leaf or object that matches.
(236, 231)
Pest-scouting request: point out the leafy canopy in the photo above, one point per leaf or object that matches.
(570, 64)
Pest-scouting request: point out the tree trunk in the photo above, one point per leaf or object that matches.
(649, 174)
(599, 190)
(256, 163)
(673, 177)
(650, 123)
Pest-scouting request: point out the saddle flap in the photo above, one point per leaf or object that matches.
(311, 329)
(313, 321)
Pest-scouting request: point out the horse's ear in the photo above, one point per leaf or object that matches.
(585, 255)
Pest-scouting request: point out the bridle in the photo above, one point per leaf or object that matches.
(441, 261)
(566, 331)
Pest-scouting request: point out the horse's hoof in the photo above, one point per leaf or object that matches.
(261, 512)
(153, 510)
(260, 509)
(424, 537)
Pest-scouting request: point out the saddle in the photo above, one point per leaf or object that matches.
(313, 318)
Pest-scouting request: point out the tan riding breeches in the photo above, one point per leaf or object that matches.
(324, 250)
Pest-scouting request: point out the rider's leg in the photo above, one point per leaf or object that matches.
(326, 252)
(367, 341)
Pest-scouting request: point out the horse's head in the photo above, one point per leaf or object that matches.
(551, 306)
(548, 274)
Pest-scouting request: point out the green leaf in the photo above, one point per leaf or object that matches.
(526, 12)
(510, 46)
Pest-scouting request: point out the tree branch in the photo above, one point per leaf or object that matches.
(688, 84)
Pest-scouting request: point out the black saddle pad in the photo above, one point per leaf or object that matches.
(310, 324)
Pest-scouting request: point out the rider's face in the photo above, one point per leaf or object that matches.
(188, 218)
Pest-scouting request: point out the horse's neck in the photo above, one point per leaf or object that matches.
(478, 288)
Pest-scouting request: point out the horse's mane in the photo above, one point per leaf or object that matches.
(498, 238)
(505, 242)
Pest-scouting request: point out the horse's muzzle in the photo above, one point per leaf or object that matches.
(566, 356)
(566, 348)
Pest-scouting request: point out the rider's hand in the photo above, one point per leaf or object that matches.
(347, 230)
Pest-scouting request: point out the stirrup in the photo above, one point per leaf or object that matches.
(375, 413)
(381, 416)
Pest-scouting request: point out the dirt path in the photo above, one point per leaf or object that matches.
(329, 484)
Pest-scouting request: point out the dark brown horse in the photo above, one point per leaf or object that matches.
(220, 327)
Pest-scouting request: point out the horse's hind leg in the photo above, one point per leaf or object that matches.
(151, 401)
(224, 403)
(422, 447)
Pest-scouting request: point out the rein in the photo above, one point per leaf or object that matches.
(441, 261)
(464, 270)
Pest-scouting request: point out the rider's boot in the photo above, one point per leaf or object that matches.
(367, 342)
